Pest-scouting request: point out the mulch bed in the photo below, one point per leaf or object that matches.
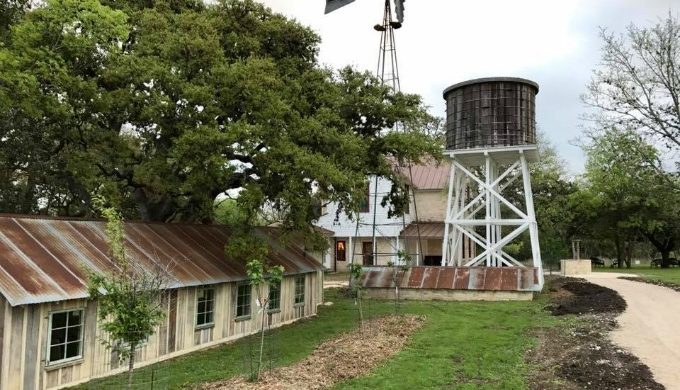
(348, 356)
(584, 298)
(670, 285)
(579, 354)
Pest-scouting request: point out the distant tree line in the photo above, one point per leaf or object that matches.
(629, 194)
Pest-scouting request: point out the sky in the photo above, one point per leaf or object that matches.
(443, 42)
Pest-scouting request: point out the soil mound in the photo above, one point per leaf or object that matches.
(579, 354)
(583, 297)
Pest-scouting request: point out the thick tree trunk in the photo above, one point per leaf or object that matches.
(665, 256)
(664, 246)
(629, 254)
(619, 251)
(28, 201)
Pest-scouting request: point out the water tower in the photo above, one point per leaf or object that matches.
(490, 139)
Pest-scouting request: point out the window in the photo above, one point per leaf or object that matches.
(367, 252)
(65, 336)
(340, 250)
(275, 296)
(205, 306)
(243, 300)
(299, 289)
(365, 201)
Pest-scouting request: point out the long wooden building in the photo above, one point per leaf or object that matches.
(49, 333)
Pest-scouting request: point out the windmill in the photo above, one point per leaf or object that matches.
(388, 73)
(388, 68)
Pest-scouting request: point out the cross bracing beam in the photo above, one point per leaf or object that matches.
(464, 220)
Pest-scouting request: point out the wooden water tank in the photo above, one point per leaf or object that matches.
(490, 112)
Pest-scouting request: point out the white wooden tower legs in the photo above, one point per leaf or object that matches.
(481, 207)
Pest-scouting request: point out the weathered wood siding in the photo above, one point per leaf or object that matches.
(23, 333)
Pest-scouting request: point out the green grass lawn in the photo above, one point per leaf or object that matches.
(464, 345)
(670, 275)
(336, 276)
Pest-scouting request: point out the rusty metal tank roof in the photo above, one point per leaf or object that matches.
(490, 80)
(48, 259)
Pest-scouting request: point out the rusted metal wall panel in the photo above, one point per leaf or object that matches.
(454, 278)
(47, 259)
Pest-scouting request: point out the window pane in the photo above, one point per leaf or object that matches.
(274, 296)
(74, 317)
(210, 294)
(209, 318)
(72, 349)
(209, 306)
(201, 307)
(73, 333)
(57, 353)
(58, 336)
(200, 319)
(243, 300)
(299, 289)
(58, 320)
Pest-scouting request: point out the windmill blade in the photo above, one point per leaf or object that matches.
(332, 5)
(399, 10)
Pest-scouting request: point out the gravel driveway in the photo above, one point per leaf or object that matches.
(650, 326)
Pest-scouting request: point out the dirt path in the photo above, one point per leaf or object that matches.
(649, 326)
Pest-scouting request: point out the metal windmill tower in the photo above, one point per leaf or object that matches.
(388, 68)
(388, 73)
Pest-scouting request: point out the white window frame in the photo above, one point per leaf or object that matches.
(250, 302)
(275, 309)
(304, 289)
(211, 323)
(49, 362)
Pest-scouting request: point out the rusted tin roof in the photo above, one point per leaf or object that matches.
(428, 230)
(47, 259)
(452, 278)
(429, 176)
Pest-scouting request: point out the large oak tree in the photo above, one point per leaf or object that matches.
(162, 105)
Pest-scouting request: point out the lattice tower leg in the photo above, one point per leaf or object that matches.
(484, 210)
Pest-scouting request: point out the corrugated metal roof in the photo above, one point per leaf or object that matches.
(453, 278)
(428, 230)
(429, 176)
(47, 259)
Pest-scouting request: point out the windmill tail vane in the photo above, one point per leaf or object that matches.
(332, 5)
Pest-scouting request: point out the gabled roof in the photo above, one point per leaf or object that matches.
(47, 259)
(426, 230)
(428, 176)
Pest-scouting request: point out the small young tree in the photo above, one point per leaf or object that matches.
(259, 276)
(129, 298)
(355, 271)
(398, 270)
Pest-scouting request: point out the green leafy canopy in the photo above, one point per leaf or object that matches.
(162, 106)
